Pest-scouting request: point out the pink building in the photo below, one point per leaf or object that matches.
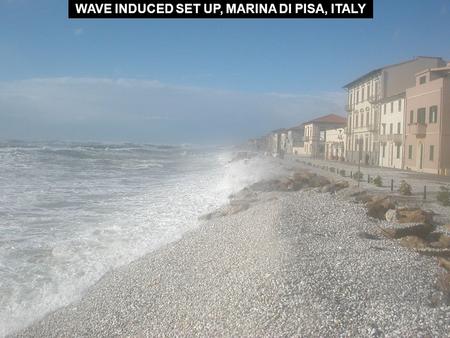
(427, 122)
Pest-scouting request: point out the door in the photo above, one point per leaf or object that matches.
(420, 156)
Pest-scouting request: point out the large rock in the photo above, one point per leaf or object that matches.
(403, 230)
(307, 179)
(445, 263)
(391, 215)
(341, 185)
(408, 215)
(413, 215)
(330, 188)
(440, 241)
(378, 206)
(413, 242)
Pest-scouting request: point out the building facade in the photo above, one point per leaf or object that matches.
(335, 144)
(364, 98)
(315, 133)
(391, 131)
(295, 140)
(427, 119)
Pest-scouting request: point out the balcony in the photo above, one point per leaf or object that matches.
(418, 129)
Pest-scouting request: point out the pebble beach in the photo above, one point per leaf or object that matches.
(291, 264)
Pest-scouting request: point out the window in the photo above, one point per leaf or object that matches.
(391, 129)
(431, 153)
(422, 79)
(357, 96)
(350, 99)
(384, 150)
(411, 116)
(400, 105)
(384, 108)
(384, 128)
(410, 152)
(367, 118)
(362, 119)
(356, 120)
(433, 114)
(398, 150)
(362, 94)
(399, 128)
(376, 89)
(392, 106)
(421, 112)
(368, 90)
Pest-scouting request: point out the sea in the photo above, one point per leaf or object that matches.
(70, 212)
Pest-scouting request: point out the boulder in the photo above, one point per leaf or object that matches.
(378, 206)
(410, 229)
(391, 215)
(413, 215)
(341, 185)
(444, 262)
(328, 188)
(413, 242)
(318, 181)
(440, 241)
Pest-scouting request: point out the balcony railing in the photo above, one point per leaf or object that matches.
(418, 129)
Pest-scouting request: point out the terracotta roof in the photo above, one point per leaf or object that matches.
(331, 118)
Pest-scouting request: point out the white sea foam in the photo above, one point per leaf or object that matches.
(69, 213)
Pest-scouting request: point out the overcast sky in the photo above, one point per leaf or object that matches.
(169, 81)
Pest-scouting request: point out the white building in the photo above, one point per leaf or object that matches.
(335, 144)
(363, 104)
(316, 131)
(391, 131)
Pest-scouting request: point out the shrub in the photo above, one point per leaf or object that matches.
(443, 196)
(342, 172)
(405, 188)
(378, 181)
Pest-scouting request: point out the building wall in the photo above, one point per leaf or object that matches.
(363, 120)
(445, 136)
(391, 132)
(399, 77)
(418, 146)
(298, 151)
(335, 144)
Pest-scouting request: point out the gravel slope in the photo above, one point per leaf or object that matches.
(293, 265)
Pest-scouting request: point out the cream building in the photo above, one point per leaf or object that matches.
(391, 131)
(364, 104)
(335, 144)
(295, 144)
(315, 133)
(427, 132)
